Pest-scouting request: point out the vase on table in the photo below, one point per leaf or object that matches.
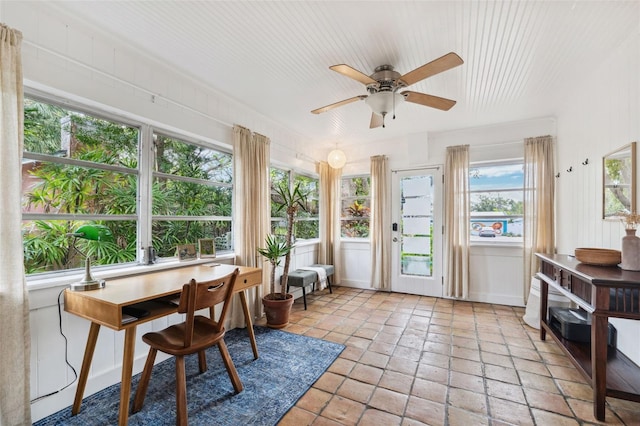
(630, 251)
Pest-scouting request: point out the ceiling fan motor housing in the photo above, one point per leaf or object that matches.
(387, 79)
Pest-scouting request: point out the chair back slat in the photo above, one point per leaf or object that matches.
(205, 294)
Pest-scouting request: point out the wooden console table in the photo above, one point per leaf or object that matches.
(153, 293)
(603, 292)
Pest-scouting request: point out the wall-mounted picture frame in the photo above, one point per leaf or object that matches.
(186, 252)
(206, 247)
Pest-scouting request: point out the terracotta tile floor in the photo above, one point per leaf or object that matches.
(412, 360)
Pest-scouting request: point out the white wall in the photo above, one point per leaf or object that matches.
(496, 271)
(601, 115)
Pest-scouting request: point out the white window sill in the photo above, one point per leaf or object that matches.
(62, 278)
(507, 244)
(303, 243)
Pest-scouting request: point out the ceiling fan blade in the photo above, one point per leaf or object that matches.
(376, 120)
(428, 100)
(337, 104)
(434, 67)
(353, 73)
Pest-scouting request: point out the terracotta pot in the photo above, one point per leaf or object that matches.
(277, 311)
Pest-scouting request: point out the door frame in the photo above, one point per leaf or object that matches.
(413, 284)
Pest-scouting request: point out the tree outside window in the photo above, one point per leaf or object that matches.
(496, 196)
(80, 168)
(77, 169)
(307, 224)
(356, 207)
(192, 195)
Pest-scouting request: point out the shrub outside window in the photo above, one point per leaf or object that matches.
(356, 207)
(76, 169)
(191, 195)
(496, 199)
(82, 168)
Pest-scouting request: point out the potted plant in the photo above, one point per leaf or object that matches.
(278, 305)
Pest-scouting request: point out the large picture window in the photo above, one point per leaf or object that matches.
(83, 168)
(496, 197)
(356, 207)
(77, 169)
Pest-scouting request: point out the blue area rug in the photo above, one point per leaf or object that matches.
(288, 365)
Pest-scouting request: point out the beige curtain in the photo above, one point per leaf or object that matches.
(380, 225)
(14, 302)
(456, 221)
(539, 208)
(329, 252)
(251, 195)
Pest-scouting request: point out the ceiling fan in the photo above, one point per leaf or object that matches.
(384, 83)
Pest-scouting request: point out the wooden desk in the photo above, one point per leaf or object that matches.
(151, 292)
(603, 292)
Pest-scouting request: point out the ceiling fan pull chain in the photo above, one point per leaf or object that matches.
(393, 99)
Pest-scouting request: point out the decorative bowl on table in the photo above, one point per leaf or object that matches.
(598, 256)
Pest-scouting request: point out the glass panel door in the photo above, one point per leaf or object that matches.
(417, 232)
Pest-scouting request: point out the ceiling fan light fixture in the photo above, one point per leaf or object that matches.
(337, 159)
(383, 103)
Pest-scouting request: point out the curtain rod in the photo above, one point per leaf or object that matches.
(496, 144)
(134, 86)
(126, 83)
(414, 169)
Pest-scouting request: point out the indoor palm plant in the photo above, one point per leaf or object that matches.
(278, 304)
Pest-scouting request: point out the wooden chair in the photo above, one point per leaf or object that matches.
(194, 335)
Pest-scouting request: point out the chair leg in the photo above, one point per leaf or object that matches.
(304, 298)
(231, 368)
(202, 361)
(143, 384)
(181, 392)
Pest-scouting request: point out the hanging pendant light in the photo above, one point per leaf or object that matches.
(336, 159)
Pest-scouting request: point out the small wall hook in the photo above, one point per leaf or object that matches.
(558, 174)
(585, 162)
(570, 169)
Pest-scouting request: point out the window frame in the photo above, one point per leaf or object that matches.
(144, 172)
(291, 175)
(355, 197)
(477, 240)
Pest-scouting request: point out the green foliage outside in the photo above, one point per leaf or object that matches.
(355, 217)
(86, 189)
(306, 225)
(497, 203)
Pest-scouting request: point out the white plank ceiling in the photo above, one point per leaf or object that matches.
(521, 57)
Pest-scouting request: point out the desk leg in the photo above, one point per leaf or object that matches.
(127, 370)
(86, 365)
(599, 339)
(544, 301)
(247, 318)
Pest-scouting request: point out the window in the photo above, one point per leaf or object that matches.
(191, 195)
(278, 177)
(308, 221)
(76, 169)
(496, 196)
(83, 168)
(307, 225)
(356, 207)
